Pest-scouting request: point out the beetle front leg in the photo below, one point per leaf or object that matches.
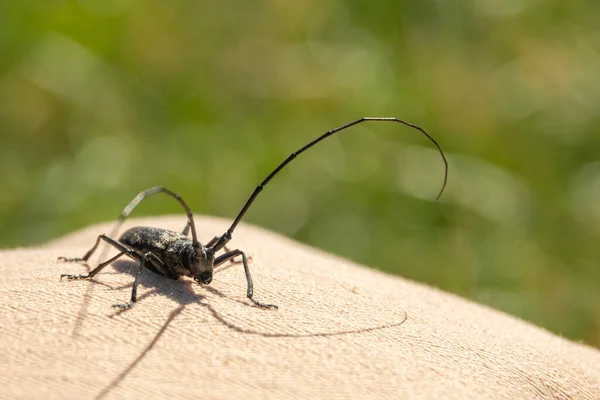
(226, 249)
(233, 253)
(129, 304)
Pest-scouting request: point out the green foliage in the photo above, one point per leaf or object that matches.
(101, 99)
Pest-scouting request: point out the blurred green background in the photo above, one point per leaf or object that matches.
(101, 99)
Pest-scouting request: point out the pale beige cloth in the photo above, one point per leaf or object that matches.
(341, 331)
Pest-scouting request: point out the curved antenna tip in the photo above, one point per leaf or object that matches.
(445, 175)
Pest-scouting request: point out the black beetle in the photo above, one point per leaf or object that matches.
(174, 254)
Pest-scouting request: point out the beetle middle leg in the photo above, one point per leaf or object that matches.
(234, 253)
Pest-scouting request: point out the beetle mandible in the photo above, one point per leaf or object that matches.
(174, 254)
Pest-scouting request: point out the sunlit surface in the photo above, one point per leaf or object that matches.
(99, 100)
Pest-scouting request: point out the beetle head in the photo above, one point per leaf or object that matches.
(204, 259)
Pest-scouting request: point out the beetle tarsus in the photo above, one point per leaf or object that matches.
(69, 260)
(124, 306)
(74, 277)
(264, 305)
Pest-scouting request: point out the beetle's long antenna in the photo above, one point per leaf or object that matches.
(219, 244)
(149, 192)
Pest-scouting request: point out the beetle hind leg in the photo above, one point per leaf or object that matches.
(95, 270)
(120, 246)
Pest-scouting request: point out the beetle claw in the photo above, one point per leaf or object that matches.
(124, 306)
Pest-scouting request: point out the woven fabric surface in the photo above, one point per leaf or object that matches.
(341, 331)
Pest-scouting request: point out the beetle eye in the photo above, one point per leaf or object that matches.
(210, 255)
(200, 253)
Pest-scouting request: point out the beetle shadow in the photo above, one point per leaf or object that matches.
(84, 305)
(182, 292)
(126, 266)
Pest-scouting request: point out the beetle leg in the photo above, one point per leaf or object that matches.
(213, 241)
(91, 251)
(186, 230)
(158, 264)
(230, 255)
(129, 304)
(232, 260)
(95, 270)
(120, 246)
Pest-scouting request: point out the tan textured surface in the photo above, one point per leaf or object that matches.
(342, 331)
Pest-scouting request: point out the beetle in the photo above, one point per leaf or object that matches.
(173, 254)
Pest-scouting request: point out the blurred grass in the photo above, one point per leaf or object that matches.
(99, 100)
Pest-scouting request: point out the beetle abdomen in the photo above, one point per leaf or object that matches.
(147, 239)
